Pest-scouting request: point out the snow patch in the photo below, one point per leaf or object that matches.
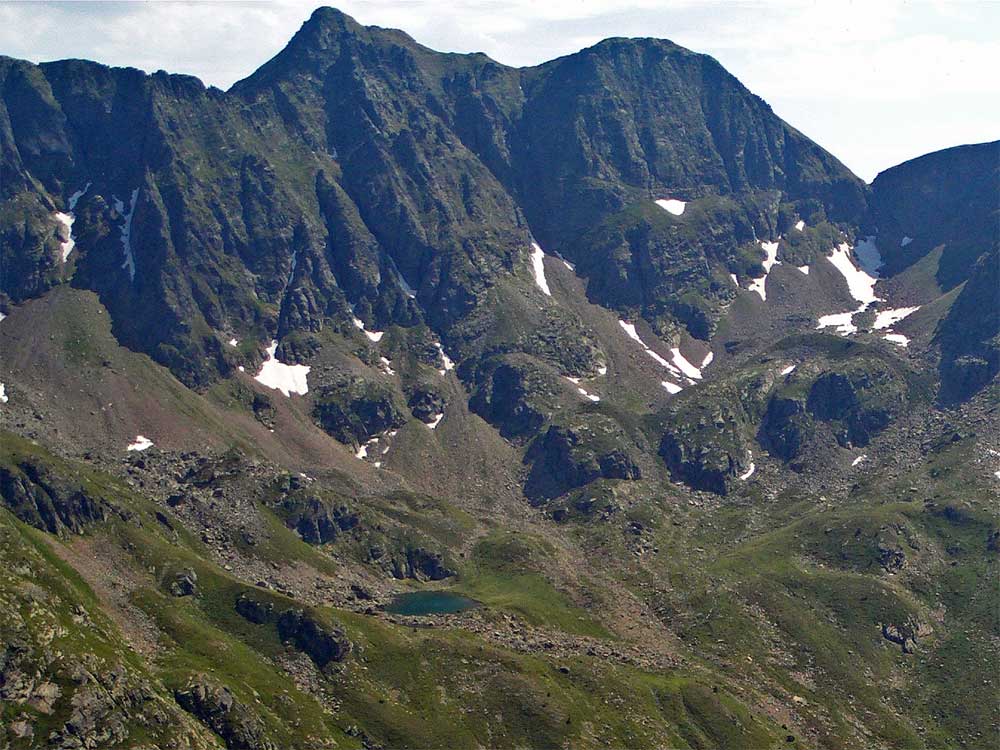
(374, 336)
(858, 460)
(387, 365)
(288, 379)
(140, 443)
(860, 283)
(67, 221)
(574, 381)
(897, 338)
(800, 225)
(683, 365)
(788, 370)
(233, 342)
(569, 265)
(905, 241)
(760, 285)
(408, 290)
(749, 472)
(362, 451)
(708, 360)
(538, 266)
(629, 329)
(2, 316)
(3, 394)
(75, 198)
(129, 262)
(841, 322)
(804, 269)
(671, 387)
(868, 255)
(602, 370)
(445, 359)
(672, 205)
(736, 282)
(436, 421)
(889, 318)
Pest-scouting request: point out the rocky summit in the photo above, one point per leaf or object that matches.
(701, 429)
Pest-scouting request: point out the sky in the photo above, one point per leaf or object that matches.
(875, 82)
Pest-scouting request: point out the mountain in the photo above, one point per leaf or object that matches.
(702, 425)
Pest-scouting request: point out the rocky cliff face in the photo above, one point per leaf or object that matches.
(359, 170)
(942, 209)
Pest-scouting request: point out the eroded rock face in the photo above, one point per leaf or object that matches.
(185, 583)
(354, 410)
(702, 467)
(567, 457)
(322, 644)
(420, 564)
(48, 502)
(785, 427)
(969, 336)
(426, 404)
(215, 706)
(861, 401)
(513, 395)
(299, 627)
(318, 521)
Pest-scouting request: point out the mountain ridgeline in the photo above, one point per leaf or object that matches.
(696, 428)
(356, 156)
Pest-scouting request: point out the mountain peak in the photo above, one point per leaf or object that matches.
(320, 40)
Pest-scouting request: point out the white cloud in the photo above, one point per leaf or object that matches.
(875, 82)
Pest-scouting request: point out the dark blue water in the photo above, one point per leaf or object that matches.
(421, 603)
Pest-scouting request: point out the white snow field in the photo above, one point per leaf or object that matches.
(140, 443)
(445, 359)
(538, 266)
(889, 318)
(672, 205)
(288, 379)
(674, 369)
(374, 336)
(760, 285)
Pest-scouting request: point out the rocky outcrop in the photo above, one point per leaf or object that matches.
(354, 409)
(708, 467)
(317, 521)
(41, 498)
(420, 564)
(184, 583)
(785, 427)
(322, 644)
(969, 335)
(565, 457)
(425, 404)
(514, 394)
(300, 628)
(859, 401)
(215, 706)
